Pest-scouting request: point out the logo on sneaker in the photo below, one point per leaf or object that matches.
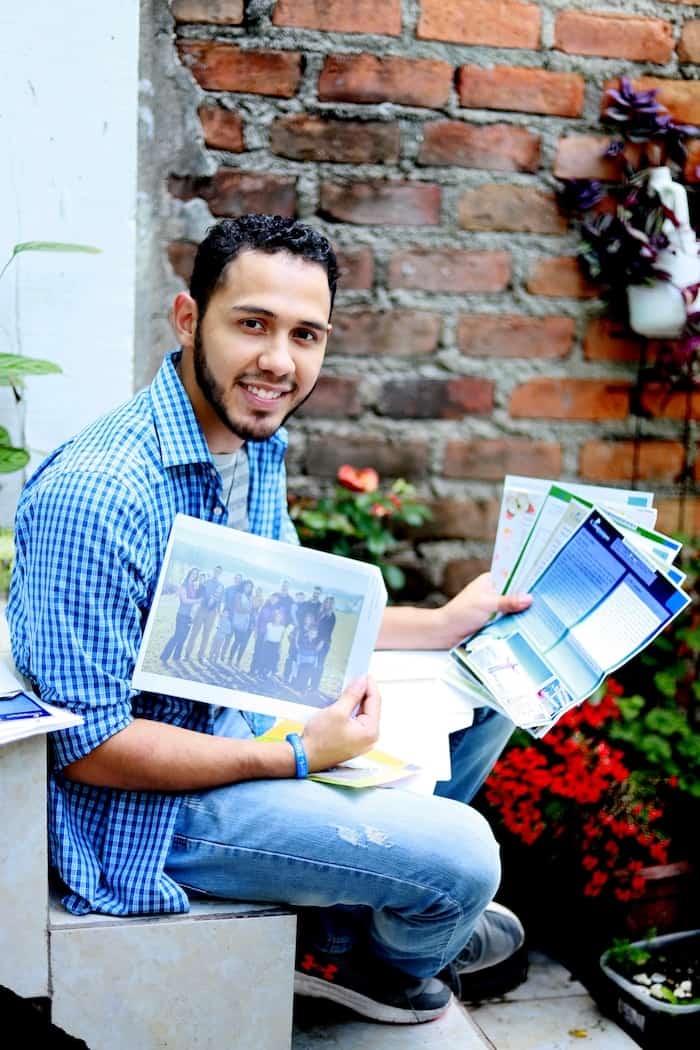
(309, 964)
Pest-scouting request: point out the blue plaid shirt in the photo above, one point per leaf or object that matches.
(92, 526)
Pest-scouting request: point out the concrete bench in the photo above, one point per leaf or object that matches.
(219, 976)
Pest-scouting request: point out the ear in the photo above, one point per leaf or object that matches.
(184, 318)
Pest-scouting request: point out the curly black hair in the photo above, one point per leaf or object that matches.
(262, 233)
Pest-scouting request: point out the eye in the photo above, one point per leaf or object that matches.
(305, 335)
(252, 324)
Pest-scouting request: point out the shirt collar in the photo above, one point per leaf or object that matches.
(180, 435)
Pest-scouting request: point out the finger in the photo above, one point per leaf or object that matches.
(372, 703)
(512, 603)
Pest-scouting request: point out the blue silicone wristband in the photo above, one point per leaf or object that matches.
(299, 754)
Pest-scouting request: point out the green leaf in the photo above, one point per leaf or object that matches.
(630, 706)
(12, 459)
(666, 681)
(394, 576)
(665, 722)
(655, 748)
(54, 246)
(4, 436)
(13, 367)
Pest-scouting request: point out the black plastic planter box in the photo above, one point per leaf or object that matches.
(652, 1023)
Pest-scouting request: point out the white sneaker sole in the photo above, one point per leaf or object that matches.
(317, 988)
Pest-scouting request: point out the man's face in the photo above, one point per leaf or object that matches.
(258, 350)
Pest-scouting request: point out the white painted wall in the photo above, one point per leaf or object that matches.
(68, 166)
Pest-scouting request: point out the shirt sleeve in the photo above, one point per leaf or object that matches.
(81, 566)
(288, 532)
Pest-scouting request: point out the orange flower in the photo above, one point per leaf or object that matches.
(362, 479)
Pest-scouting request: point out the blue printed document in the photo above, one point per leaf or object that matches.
(603, 589)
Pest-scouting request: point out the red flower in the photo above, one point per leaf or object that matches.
(358, 479)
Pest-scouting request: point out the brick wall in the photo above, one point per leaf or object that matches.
(424, 139)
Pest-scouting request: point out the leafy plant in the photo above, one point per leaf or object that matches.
(624, 953)
(14, 368)
(360, 520)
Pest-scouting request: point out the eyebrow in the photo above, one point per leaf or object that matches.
(250, 308)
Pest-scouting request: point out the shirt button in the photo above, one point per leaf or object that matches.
(218, 511)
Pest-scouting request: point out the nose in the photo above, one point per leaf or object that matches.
(276, 356)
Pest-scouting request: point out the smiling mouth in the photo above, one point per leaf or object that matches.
(264, 393)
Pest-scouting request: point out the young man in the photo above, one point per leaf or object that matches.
(153, 797)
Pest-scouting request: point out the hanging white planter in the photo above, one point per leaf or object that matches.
(658, 310)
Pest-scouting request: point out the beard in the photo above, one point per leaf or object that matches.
(214, 394)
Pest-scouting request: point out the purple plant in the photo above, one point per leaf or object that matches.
(638, 116)
(579, 195)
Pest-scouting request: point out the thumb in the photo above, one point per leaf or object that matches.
(352, 695)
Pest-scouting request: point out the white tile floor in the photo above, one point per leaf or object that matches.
(550, 1011)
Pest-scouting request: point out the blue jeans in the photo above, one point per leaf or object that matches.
(406, 874)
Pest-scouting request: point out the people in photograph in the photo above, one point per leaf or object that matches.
(326, 625)
(223, 633)
(270, 650)
(188, 596)
(231, 593)
(293, 626)
(242, 622)
(308, 646)
(312, 606)
(285, 601)
(211, 593)
(263, 618)
(153, 798)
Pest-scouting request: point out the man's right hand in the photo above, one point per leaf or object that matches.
(334, 735)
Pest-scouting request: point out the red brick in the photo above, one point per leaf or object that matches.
(689, 46)
(382, 203)
(222, 128)
(355, 268)
(657, 401)
(214, 12)
(614, 36)
(369, 78)
(603, 461)
(560, 276)
(491, 460)
(181, 255)
(499, 23)
(692, 166)
(676, 516)
(417, 397)
(398, 333)
(504, 335)
(224, 67)
(229, 192)
(461, 519)
(461, 571)
(588, 399)
(450, 270)
(304, 137)
(333, 397)
(522, 90)
(495, 147)
(393, 458)
(680, 97)
(360, 16)
(583, 157)
(517, 209)
(606, 340)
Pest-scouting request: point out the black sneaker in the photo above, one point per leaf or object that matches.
(495, 959)
(369, 987)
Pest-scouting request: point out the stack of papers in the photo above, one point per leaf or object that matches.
(22, 714)
(604, 586)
